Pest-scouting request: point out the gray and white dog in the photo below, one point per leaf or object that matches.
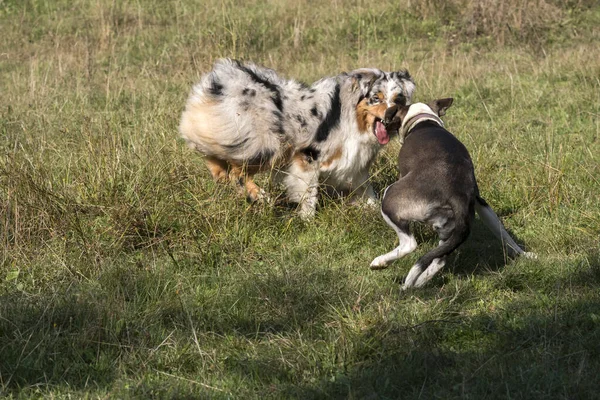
(437, 186)
(247, 119)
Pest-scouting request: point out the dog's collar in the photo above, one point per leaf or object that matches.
(414, 120)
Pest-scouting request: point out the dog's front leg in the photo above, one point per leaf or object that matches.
(369, 196)
(364, 193)
(302, 184)
(406, 244)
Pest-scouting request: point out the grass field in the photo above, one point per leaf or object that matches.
(125, 272)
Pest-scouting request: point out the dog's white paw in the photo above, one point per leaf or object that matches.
(261, 195)
(306, 213)
(371, 202)
(264, 197)
(529, 255)
(364, 202)
(378, 263)
(257, 196)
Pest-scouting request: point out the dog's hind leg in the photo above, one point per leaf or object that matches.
(407, 243)
(434, 260)
(218, 168)
(243, 178)
(390, 206)
(436, 265)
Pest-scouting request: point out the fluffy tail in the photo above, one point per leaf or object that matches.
(491, 220)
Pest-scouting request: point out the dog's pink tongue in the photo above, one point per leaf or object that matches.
(381, 133)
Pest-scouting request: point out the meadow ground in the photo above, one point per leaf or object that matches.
(125, 272)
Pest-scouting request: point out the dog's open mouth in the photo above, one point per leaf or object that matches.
(381, 132)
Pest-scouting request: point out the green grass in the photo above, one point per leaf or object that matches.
(125, 272)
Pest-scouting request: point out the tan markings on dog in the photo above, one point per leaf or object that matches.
(252, 189)
(218, 168)
(379, 110)
(337, 154)
(243, 178)
(366, 114)
(301, 160)
(361, 115)
(235, 173)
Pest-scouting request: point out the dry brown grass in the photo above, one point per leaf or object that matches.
(529, 22)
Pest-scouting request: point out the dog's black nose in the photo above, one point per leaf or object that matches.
(390, 113)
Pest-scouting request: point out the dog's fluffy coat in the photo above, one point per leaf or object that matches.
(246, 119)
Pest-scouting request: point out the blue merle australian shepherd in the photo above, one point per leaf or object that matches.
(246, 119)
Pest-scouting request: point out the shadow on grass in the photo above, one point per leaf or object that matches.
(481, 253)
(54, 339)
(84, 335)
(279, 303)
(526, 353)
(84, 338)
(587, 273)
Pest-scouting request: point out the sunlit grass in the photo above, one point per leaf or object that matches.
(126, 272)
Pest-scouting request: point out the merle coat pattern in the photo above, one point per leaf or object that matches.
(247, 119)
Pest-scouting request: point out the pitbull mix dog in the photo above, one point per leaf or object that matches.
(437, 186)
(247, 119)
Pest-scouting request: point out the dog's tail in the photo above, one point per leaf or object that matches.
(491, 220)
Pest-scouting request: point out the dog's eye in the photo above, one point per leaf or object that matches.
(375, 99)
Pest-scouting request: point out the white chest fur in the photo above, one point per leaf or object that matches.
(352, 166)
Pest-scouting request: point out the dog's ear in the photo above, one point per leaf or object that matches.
(440, 106)
(364, 78)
